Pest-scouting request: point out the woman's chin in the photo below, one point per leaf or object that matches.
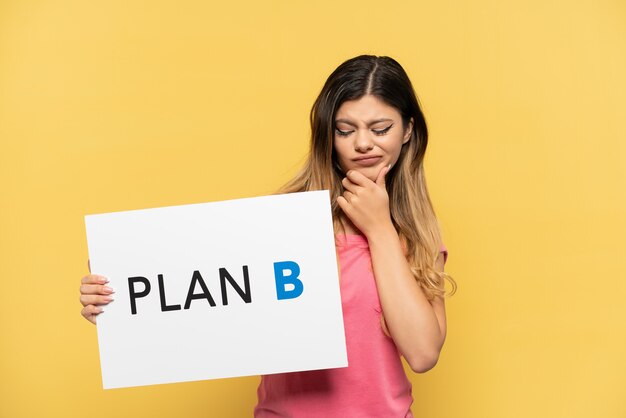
(370, 172)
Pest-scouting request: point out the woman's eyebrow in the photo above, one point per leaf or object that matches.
(370, 123)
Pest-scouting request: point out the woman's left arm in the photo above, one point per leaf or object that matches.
(417, 326)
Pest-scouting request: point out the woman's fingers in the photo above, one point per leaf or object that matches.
(356, 182)
(93, 292)
(90, 312)
(94, 279)
(87, 300)
(348, 196)
(96, 289)
(343, 204)
(358, 178)
(349, 185)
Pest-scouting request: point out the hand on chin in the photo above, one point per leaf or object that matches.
(370, 172)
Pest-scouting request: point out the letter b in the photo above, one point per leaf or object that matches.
(292, 279)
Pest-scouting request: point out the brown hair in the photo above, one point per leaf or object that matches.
(411, 210)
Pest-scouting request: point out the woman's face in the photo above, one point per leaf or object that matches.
(368, 135)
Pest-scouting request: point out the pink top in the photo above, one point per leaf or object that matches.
(374, 384)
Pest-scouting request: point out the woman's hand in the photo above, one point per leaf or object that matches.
(93, 294)
(366, 202)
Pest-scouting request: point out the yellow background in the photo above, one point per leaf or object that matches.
(120, 105)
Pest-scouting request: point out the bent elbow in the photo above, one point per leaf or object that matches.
(423, 363)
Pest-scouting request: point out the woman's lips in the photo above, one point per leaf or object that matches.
(367, 161)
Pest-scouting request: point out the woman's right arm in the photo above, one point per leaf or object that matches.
(94, 293)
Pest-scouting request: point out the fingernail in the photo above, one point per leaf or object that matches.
(108, 299)
(100, 310)
(108, 289)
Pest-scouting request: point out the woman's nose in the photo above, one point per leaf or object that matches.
(363, 142)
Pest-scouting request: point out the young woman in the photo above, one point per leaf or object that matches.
(368, 143)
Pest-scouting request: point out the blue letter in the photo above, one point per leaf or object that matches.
(282, 280)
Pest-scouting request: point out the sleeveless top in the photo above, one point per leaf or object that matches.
(374, 384)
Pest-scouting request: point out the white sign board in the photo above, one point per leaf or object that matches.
(213, 290)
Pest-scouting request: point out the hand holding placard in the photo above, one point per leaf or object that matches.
(218, 289)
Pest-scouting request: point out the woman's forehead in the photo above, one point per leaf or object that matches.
(368, 109)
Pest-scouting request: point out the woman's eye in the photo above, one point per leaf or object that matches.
(382, 131)
(342, 133)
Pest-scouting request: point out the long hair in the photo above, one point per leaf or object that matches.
(410, 206)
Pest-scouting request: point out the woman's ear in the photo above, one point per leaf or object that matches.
(408, 131)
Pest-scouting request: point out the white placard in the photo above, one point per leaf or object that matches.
(212, 290)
